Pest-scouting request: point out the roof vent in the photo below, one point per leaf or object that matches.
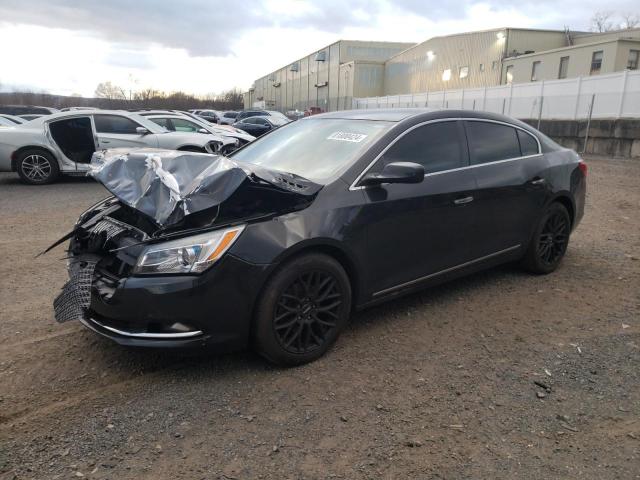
(321, 56)
(294, 67)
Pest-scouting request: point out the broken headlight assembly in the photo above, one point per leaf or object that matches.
(187, 255)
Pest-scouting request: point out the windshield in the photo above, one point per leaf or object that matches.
(316, 148)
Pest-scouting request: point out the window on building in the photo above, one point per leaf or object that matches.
(509, 73)
(446, 75)
(632, 61)
(564, 67)
(490, 142)
(494, 65)
(481, 67)
(464, 72)
(535, 71)
(437, 147)
(596, 62)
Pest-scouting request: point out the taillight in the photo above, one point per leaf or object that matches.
(583, 167)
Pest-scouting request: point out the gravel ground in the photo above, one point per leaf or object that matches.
(499, 375)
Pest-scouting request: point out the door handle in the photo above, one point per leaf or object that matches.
(105, 141)
(462, 201)
(538, 181)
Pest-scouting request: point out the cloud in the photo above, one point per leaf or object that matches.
(205, 46)
(202, 27)
(211, 27)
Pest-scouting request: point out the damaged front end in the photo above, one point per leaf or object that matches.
(172, 214)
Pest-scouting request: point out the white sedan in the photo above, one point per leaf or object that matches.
(182, 122)
(63, 143)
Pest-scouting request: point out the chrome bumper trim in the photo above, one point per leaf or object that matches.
(159, 336)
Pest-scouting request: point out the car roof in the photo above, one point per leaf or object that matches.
(83, 113)
(380, 114)
(416, 114)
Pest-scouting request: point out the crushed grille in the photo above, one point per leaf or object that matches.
(75, 297)
(108, 229)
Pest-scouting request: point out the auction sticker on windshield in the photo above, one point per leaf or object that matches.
(347, 137)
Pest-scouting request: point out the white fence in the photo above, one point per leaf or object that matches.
(616, 95)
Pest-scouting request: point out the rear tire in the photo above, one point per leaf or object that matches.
(549, 241)
(37, 167)
(302, 310)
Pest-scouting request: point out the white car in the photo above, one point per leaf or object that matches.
(12, 119)
(63, 143)
(227, 118)
(182, 122)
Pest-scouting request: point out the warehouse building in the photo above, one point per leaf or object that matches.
(465, 60)
(327, 79)
(586, 54)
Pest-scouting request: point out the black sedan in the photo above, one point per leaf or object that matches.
(259, 125)
(327, 215)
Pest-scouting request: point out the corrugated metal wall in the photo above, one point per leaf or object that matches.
(285, 89)
(421, 68)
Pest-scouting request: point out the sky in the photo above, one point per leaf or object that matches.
(208, 46)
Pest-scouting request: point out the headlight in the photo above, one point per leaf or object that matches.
(187, 255)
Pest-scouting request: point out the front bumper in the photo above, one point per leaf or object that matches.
(210, 310)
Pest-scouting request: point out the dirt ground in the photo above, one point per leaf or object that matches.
(499, 375)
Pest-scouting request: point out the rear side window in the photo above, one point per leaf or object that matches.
(181, 125)
(436, 146)
(163, 122)
(528, 144)
(115, 124)
(490, 142)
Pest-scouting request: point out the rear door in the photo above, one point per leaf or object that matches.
(115, 131)
(509, 171)
(418, 230)
(74, 137)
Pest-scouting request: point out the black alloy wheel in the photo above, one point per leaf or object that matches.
(550, 240)
(553, 240)
(304, 307)
(307, 311)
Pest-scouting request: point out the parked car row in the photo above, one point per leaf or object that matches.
(42, 146)
(63, 143)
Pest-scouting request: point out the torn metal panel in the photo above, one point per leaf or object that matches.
(168, 185)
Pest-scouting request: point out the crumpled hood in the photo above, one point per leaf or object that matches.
(168, 185)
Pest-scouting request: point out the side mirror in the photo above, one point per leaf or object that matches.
(142, 131)
(395, 172)
(203, 130)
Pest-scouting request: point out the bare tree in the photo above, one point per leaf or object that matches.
(110, 91)
(630, 20)
(601, 21)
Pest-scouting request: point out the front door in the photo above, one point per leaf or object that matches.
(422, 229)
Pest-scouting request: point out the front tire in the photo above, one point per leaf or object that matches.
(302, 310)
(550, 240)
(37, 167)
